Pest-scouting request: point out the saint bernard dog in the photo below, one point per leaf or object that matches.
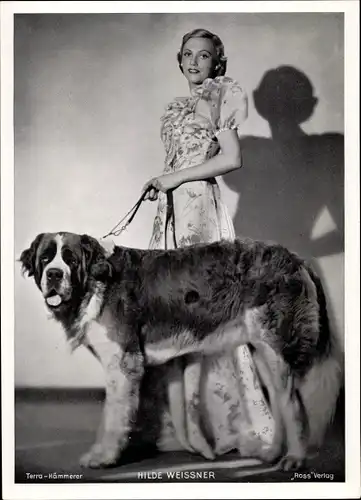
(134, 308)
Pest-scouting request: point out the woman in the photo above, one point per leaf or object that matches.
(216, 404)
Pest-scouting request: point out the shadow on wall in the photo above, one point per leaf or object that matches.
(288, 180)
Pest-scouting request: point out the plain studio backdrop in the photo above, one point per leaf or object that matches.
(89, 92)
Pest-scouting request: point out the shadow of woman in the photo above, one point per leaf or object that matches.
(290, 179)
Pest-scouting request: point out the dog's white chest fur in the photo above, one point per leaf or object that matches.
(105, 348)
(94, 331)
(91, 311)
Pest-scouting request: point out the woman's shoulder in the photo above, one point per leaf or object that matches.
(228, 101)
(222, 84)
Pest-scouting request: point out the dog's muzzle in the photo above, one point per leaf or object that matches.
(54, 276)
(56, 289)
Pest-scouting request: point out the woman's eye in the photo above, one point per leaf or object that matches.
(186, 54)
(204, 56)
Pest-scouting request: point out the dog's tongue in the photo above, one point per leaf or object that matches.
(55, 300)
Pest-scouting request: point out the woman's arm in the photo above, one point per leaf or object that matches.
(229, 159)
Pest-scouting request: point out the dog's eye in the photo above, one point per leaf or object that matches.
(72, 260)
(44, 258)
(69, 257)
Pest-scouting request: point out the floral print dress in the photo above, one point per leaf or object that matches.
(215, 403)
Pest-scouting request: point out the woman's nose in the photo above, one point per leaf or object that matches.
(194, 61)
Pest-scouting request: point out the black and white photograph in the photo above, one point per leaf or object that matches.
(176, 189)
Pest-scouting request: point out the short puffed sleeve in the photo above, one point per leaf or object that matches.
(229, 105)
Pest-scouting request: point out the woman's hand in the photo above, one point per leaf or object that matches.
(162, 183)
(152, 194)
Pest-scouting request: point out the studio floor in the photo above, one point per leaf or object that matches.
(54, 428)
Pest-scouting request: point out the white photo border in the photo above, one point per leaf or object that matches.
(351, 487)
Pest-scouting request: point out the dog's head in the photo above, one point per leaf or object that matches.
(61, 264)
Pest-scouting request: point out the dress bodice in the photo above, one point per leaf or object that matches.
(190, 125)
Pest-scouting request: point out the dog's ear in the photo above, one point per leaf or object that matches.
(92, 250)
(28, 256)
(102, 271)
(96, 262)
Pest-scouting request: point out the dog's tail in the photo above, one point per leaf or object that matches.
(321, 386)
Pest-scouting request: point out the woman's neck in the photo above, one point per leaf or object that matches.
(193, 86)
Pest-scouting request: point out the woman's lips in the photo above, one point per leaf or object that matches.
(193, 71)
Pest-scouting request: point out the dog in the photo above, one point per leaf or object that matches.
(136, 308)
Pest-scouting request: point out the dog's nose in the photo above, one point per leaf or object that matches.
(54, 274)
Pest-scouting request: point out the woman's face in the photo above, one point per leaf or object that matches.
(198, 60)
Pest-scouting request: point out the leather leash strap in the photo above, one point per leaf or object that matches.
(116, 230)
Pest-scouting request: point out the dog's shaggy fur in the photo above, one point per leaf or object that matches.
(138, 307)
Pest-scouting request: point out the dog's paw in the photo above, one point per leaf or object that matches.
(292, 463)
(269, 454)
(99, 456)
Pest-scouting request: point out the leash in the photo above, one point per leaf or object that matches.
(132, 212)
(170, 217)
